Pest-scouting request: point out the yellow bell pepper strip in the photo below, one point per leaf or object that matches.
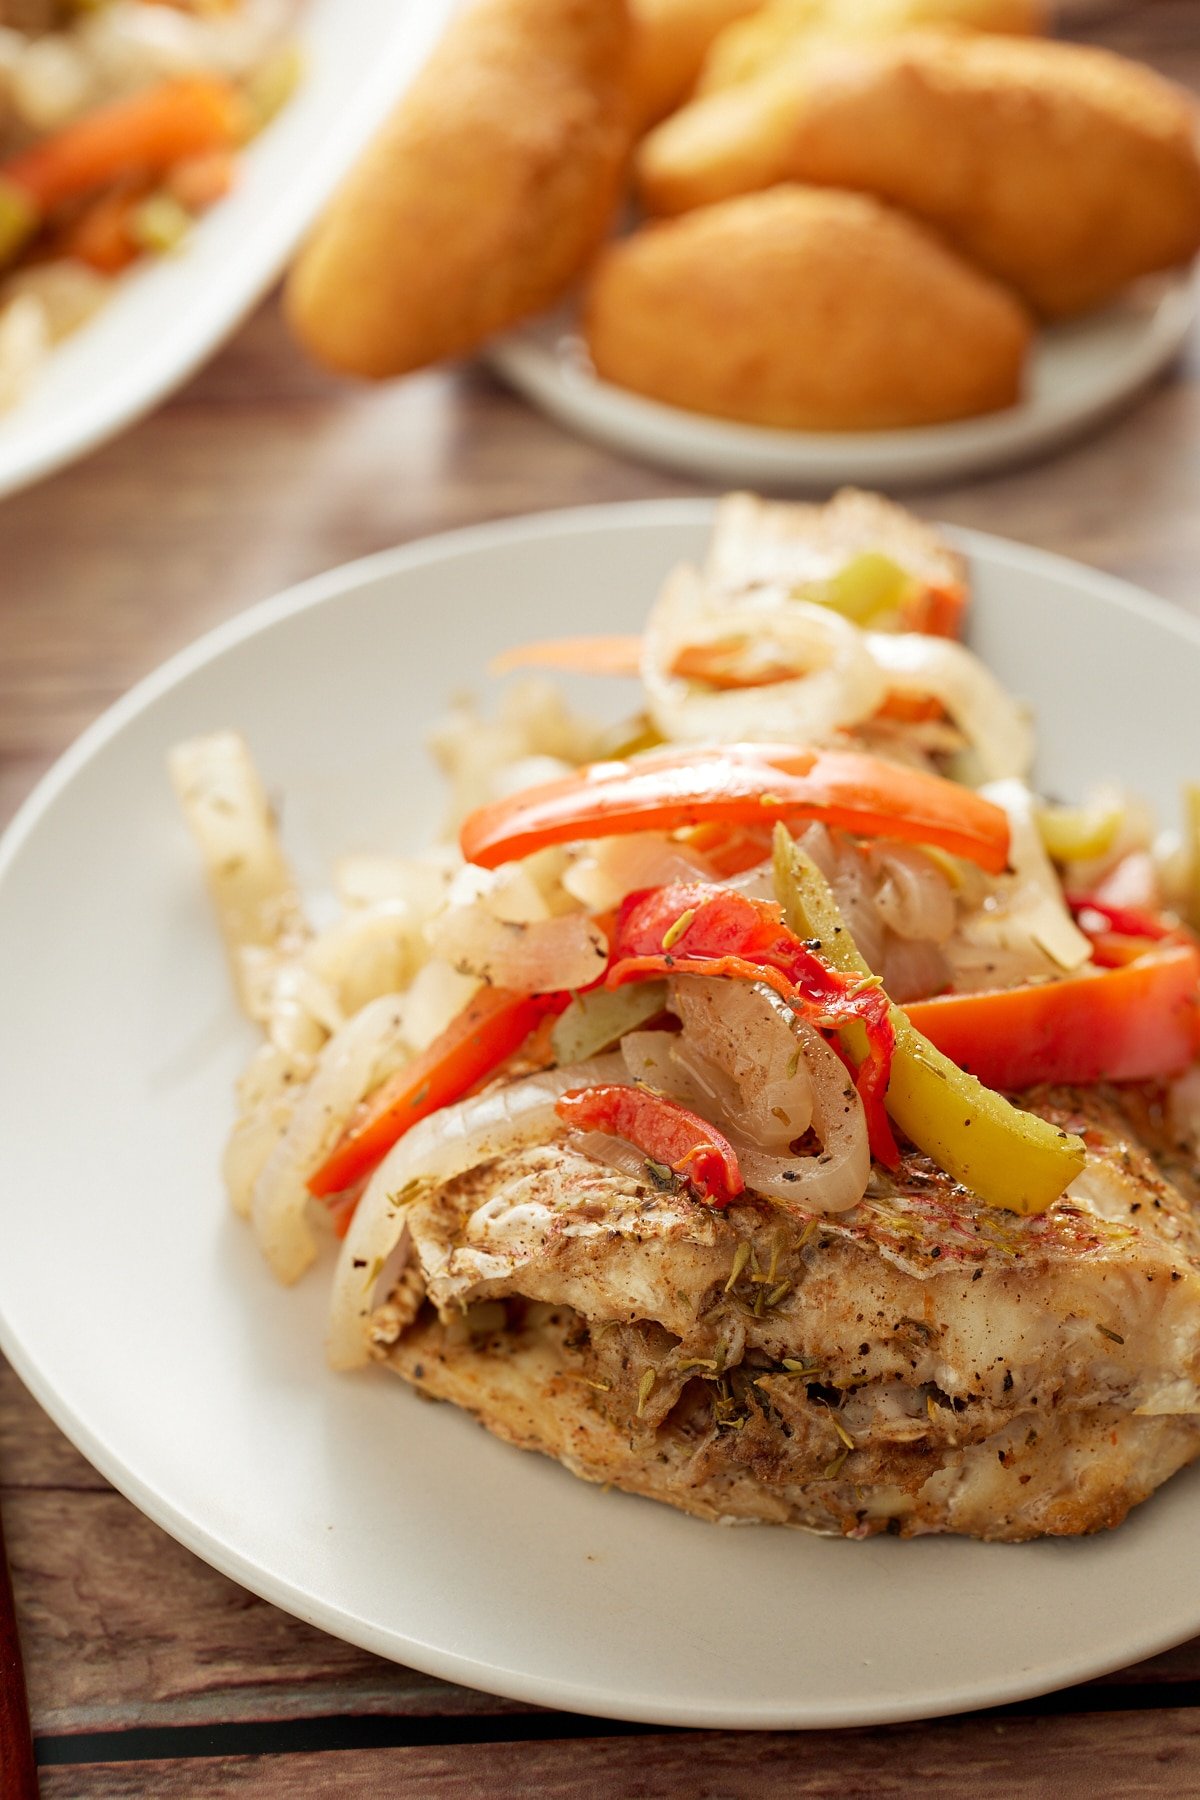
(1136, 1022)
(1006, 1157)
(1078, 833)
(741, 784)
(488, 1030)
(691, 928)
(679, 1140)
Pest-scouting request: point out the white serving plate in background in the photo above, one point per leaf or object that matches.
(169, 313)
(139, 1312)
(1080, 373)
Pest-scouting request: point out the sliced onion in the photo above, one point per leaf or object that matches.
(914, 969)
(601, 876)
(846, 869)
(913, 898)
(747, 1063)
(446, 1144)
(747, 1033)
(369, 951)
(532, 957)
(993, 724)
(612, 1152)
(295, 1008)
(437, 994)
(1025, 912)
(837, 684)
(268, 1092)
(347, 1068)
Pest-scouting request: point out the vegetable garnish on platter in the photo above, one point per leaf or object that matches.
(120, 126)
(742, 784)
(792, 1123)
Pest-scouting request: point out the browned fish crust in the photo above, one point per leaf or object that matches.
(919, 1364)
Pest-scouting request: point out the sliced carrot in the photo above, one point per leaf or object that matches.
(939, 611)
(198, 182)
(103, 235)
(934, 611)
(494, 1024)
(911, 709)
(143, 135)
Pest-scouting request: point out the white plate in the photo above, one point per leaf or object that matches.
(138, 1311)
(1079, 373)
(169, 313)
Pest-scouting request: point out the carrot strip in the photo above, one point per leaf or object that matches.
(574, 656)
(144, 134)
(103, 235)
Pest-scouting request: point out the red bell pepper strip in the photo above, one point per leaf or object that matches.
(694, 929)
(741, 784)
(1127, 921)
(665, 1130)
(1132, 1023)
(1122, 934)
(489, 1028)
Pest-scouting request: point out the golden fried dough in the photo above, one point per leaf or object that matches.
(1065, 171)
(808, 308)
(482, 198)
(785, 28)
(670, 41)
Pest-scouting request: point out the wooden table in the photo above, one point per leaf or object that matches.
(148, 1672)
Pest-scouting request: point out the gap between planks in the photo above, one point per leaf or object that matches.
(1136, 1755)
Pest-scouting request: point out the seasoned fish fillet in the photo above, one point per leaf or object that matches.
(918, 1364)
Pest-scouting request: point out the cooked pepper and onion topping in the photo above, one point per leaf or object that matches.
(784, 960)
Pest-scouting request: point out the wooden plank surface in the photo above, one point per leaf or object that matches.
(1139, 1756)
(262, 472)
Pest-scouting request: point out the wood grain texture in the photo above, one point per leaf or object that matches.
(262, 472)
(1134, 1755)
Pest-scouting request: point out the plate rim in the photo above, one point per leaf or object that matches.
(219, 1551)
(615, 416)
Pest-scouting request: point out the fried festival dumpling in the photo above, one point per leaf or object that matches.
(670, 41)
(804, 308)
(1065, 171)
(482, 198)
(750, 46)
